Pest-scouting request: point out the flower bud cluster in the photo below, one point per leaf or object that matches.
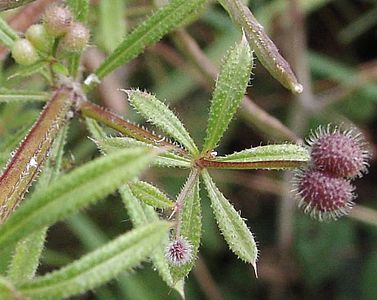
(337, 157)
(58, 23)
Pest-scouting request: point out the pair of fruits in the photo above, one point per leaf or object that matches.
(39, 39)
(324, 188)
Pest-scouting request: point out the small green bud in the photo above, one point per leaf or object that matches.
(57, 20)
(76, 38)
(24, 52)
(39, 37)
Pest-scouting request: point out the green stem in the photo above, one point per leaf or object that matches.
(264, 47)
(28, 159)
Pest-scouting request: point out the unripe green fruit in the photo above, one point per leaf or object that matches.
(57, 20)
(24, 52)
(76, 38)
(39, 37)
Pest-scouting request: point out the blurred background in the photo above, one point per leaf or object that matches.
(332, 47)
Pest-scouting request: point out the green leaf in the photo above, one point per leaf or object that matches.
(99, 266)
(141, 214)
(80, 9)
(26, 71)
(8, 290)
(73, 191)
(27, 254)
(112, 26)
(160, 115)
(190, 228)
(150, 195)
(7, 35)
(267, 157)
(149, 32)
(166, 159)
(232, 226)
(20, 95)
(228, 94)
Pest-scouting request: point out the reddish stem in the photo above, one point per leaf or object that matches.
(273, 164)
(27, 160)
(114, 121)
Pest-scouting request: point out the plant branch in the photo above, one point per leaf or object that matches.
(275, 164)
(116, 122)
(26, 162)
(250, 111)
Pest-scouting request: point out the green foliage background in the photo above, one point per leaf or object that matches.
(335, 260)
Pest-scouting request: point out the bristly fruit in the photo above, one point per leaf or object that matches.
(24, 52)
(57, 20)
(339, 153)
(322, 195)
(76, 38)
(179, 252)
(39, 37)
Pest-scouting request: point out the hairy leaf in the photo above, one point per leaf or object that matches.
(150, 31)
(265, 157)
(99, 266)
(140, 215)
(28, 251)
(160, 115)
(229, 91)
(111, 23)
(74, 191)
(166, 159)
(190, 228)
(232, 226)
(150, 195)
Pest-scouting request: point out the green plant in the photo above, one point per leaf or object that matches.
(57, 195)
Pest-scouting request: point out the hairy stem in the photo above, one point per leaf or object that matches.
(275, 164)
(27, 161)
(114, 121)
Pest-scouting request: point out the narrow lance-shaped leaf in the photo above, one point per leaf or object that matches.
(73, 191)
(275, 157)
(28, 251)
(112, 25)
(7, 34)
(264, 48)
(163, 21)
(230, 88)
(99, 266)
(141, 214)
(150, 195)
(160, 115)
(17, 95)
(80, 9)
(232, 226)
(166, 159)
(190, 228)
